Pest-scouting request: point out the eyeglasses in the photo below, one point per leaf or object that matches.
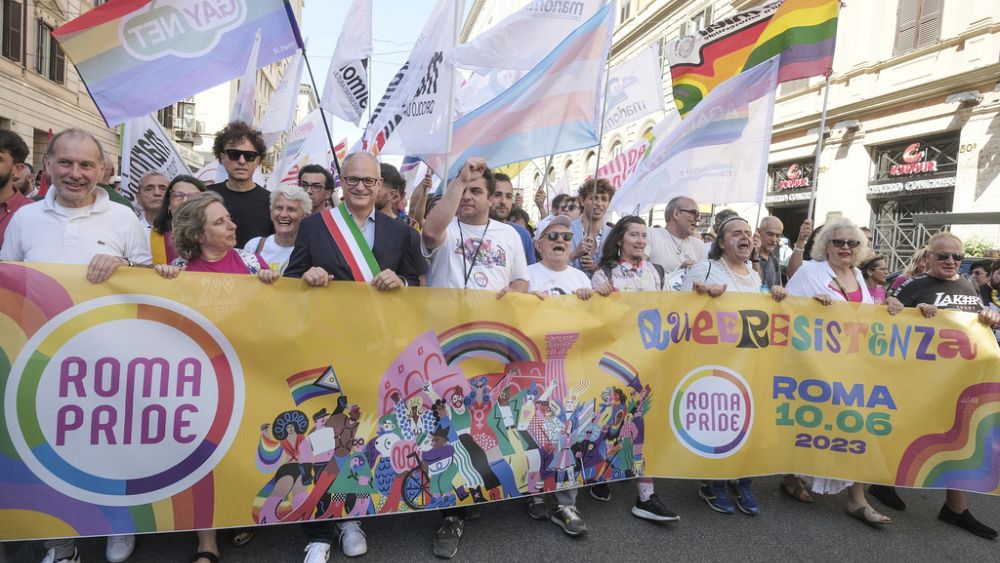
(234, 155)
(312, 187)
(841, 243)
(692, 212)
(183, 195)
(353, 181)
(556, 236)
(944, 256)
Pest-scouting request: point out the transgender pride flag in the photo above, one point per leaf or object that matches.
(554, 108)
(138, 56)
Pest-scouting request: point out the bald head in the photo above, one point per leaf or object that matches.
(770, 230)
(366, 157)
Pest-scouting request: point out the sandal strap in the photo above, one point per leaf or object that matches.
(212, 558)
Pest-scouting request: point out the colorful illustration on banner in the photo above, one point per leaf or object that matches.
(443, 438)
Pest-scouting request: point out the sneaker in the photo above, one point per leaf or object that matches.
(317, 552)
(568, 518)
(887, 496)
(447, 537)
(745, 500)
(352, 539)
(601, 492)
(50, 557)
(537, 508)
(653, 509)
(715, 495)
(967, 522)
(120, 548)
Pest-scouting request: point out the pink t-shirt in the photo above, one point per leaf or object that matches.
(230, 264)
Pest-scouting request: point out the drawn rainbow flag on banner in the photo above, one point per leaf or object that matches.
(967, 456)
(621, 370)
(138, 56)
(487, 339)
(803, 32)
(303, 385)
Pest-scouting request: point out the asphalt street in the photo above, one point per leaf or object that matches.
(786, 530)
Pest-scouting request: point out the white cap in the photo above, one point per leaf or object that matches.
(548, 222)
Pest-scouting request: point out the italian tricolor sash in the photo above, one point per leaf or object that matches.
(348, 238)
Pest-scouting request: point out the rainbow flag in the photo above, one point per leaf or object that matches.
(802, 32)
(312, 383)
(139, 56)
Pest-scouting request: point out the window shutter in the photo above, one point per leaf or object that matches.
(929, 24)
(13, 33)
(708, 15)
(58, 63)
(906, 25)
(684, 30)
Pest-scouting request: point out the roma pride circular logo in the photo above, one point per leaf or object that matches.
(711, 411)
(125, 400)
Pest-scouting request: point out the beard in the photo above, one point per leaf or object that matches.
(5, 179)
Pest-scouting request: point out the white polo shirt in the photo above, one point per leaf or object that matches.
(49, 232)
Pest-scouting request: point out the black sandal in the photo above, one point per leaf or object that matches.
(212, 558)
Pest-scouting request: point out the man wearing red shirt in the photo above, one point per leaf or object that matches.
(13, 151)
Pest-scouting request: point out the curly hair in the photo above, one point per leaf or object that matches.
(826, 235)
(234, 133)
(189, 224)
(599, 186)
(297, 419)
(612, 252)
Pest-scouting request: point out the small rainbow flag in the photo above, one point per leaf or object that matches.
(313, 383)
(620, 370)
(803, 32)
(138, 56)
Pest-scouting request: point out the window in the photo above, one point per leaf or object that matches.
(793, 86)
(51, 62)
(166, 117)
(625, 11)
(918, 24)
(616, 149)
(696, 22)
(11, 15)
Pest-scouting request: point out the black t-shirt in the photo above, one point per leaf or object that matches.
(954, 295)
(251, 211)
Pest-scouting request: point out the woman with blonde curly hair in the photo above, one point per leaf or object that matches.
(833, 275)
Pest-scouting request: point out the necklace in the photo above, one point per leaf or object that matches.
(680, 245)
(475, 254)
(741, 280)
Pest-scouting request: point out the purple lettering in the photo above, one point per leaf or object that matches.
(189, 371)
(100, 423)
(149, 434)
(181, 423)
(100, 368)
(64, 424)
(74, 377)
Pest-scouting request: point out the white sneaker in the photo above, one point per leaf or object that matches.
(50, 557)
(352, 539)
(120, 548)
(317, 552)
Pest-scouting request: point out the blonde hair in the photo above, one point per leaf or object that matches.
(826, 234)
(915, 262)
(189, 224)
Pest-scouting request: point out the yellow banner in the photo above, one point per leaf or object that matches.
(144, 404)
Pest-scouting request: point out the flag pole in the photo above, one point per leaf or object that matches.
(322, 113)
(459, 9)
(600, 129)
(819, 146)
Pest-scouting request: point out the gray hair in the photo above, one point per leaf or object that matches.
(293, 193)
(74, 133)
(672, 206)
(152, 173)
(189, 224)
(826, 234)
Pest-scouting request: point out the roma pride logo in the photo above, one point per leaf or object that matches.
(188, 28)
(124, 400)
(711, 411)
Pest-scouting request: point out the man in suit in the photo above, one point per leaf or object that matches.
(339, 243)
(353, 242)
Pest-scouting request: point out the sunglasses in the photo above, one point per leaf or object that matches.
(841, 243)
(353, 181)
(944, 256)
(556, 236)
(692, 212)
(234, 155)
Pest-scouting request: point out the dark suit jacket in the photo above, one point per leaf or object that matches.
(397, 248)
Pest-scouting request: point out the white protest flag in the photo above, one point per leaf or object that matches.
(306, 144)
(503, 54)
(413, 171)
(635, 89)
(411, 117)
(717, 154)
(246, 95)
(145, 147)
(281, 109)
(623, 165)
(346, 91)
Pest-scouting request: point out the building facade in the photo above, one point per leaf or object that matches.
(40, 90)
(913, 117)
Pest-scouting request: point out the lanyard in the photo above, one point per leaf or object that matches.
(465, 258)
